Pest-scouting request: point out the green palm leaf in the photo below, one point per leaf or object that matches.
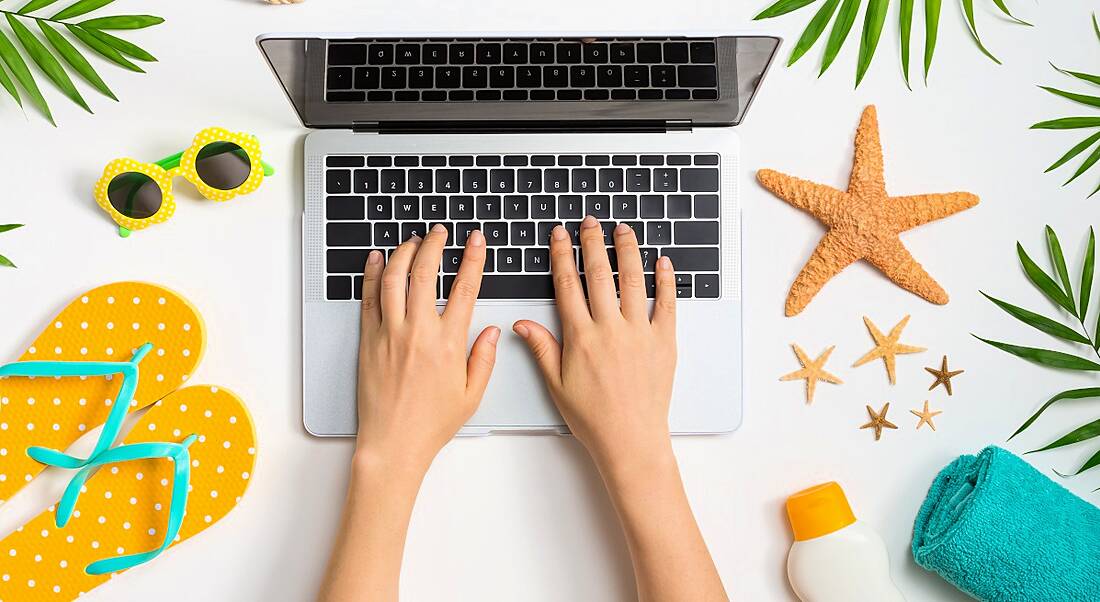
(931, 32)
(1077, 435)
(59, 50)
(22, 74)
(1073, 152)
(4, 261)
(1040, 322)
(814, 30)
(1088, 271)
(1072, 394)
(841, 27)
(1092, 462)
(46, 62)
(1088, 77)
(1059, 261)
(1092, 101)
(75, 59)
(872, 31)
(905, 25)
(1085, 165)
(873, 27)
(1068, 123)
(1045, 357)
(1044, 282)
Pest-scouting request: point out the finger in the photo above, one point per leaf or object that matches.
(631, 276)
(372, 278)
(567, 282)
(394, 281)
(467, 284)
(544, 347)
(483, 356)
(597, 271)
(664, 308)
(424, 276)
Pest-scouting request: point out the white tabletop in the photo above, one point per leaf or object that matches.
(525, 517)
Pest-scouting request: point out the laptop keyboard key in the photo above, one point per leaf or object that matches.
(569, 206)
(394, 77)
(520, 286)
(536, 260)
(582, 76)
(448, 77)
(649, 259)
(649, 52)
(663, 76)
(463, 230)
(347, 54)
(434, 207)
(460, 207)
(699, 180)
(664, 180)
(380, 54)
(653, 206)
(706, 286)
(365, 181)
(410, 229)
(496, 233)
(339, 78)
(676, 52)
(420, 181)
(502, 181)
(702, 52)
(515, 54)
(435, 54)
(406, 208)
(542, 207)
(488, 53)
(678, 205)
(625, 206)
(348, 234)
(706, 206)
(386, 234)
(611, 180)
(622, 53)
(542, 53)
(658, 233)
(696, 233)
(379, 208)
(698, 76)
(475, 77)
(569, 52)
(447, 181)
(692, 259)
(339, 288)
(393, 181)
(523, 234)
(488, 207)
(509, 260)
(344, 207)
(462, 54)
(598, 206)
(595, 52)
(338, 181)
(474, 180)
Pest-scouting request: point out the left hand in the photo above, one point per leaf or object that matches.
(417, 386)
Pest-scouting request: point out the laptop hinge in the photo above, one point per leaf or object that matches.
(528, 127)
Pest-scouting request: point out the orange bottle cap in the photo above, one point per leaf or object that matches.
(818, 511)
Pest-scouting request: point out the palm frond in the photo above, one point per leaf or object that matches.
(1077, 122)
(875, 15)
(4, 261)
(57, 45)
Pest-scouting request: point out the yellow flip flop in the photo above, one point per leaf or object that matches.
(126, 513)
(106, 324)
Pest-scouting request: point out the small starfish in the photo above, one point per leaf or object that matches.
(812, 371)
(887, 347)
(926, 416)
(879, 421)
(943, 376)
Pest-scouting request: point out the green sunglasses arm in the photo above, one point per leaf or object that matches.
(174, 162)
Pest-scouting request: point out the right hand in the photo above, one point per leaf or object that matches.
(611, 375)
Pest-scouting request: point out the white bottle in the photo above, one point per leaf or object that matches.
(835, 558)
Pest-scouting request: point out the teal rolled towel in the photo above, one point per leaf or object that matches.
(1001, 531)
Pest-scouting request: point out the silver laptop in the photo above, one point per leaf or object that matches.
(514, 135)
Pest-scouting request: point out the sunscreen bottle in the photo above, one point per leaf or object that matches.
(835, 558)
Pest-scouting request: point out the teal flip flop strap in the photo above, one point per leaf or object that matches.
(111, 428)
(181, 459)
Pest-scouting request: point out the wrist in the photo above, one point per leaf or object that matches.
(371, 463)
(637, 465)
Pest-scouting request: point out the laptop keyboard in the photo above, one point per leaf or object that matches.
(378, 201)
(437, 70)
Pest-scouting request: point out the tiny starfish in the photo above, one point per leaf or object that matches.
(879, 421)
(812, 371)
(864, 221)
(943, 376)
(887, 347)
(926, 416)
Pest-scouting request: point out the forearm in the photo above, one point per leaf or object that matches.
(366, 562)
(671, 560)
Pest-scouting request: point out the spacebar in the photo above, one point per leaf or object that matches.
(520, 286)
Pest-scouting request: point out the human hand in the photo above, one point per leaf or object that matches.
(611, 375)
(417, 386)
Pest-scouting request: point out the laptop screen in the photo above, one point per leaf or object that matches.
(545, 82)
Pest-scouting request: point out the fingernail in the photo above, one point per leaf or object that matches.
(559, 233)
(374, 257)
(589, 222)
(493, 336)
(439, 229)
(476, 239)
(521, 330)
(415, 238)
(664, 263)
(622, 229)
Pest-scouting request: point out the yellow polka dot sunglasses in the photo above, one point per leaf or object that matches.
(220, 163)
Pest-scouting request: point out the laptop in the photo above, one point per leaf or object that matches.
(514, 135)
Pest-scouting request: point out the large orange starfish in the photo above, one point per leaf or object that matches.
(864, 222)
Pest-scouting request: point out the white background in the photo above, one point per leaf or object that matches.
(525, 517)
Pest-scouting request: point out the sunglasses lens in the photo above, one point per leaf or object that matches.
(135, 195)
(223, 165)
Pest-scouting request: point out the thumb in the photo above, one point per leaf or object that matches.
(483, 356)
(544, 347)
